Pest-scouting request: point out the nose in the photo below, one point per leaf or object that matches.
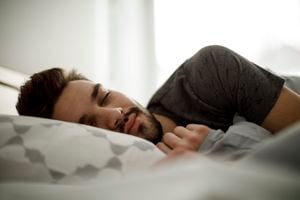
(109, 118)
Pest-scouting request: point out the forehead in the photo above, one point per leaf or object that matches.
(77, 89)
(73, 101)
(74, 87)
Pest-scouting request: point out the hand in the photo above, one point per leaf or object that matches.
(185, 139)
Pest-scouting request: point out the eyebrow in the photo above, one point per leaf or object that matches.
(95, 91)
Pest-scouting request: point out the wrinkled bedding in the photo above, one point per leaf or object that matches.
(202, 179)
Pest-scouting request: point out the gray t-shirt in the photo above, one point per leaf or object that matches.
(212, 86)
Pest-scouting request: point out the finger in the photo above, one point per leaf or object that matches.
(171, 140)
(199, 128)
(164, 148)
(181, 132)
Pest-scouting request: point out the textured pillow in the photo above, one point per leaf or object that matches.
(44, 150)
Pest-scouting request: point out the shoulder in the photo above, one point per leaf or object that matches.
(208, 52)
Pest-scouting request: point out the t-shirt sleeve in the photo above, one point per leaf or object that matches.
(229, 82)
(240, 139)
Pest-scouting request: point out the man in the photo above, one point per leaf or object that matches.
(204, 93)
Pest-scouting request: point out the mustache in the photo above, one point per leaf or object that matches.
(121, 122)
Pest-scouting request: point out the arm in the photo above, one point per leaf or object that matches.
(285, 112)
(236, 85)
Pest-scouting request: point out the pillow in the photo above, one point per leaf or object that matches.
(45, 150)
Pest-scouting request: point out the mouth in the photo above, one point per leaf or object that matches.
(132, 124)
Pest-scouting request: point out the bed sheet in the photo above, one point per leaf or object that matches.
(201, 179)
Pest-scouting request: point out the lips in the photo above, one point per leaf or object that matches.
(130, 123)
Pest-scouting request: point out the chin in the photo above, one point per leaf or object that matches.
(152, 130)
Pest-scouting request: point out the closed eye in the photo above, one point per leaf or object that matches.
(105, 98)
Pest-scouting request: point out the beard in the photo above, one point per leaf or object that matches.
(150, 129)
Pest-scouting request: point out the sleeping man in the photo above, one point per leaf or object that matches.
(194, 110)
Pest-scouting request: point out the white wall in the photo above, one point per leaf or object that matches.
(264, 31)
(131, 48)
(110, 41)
(37, 34)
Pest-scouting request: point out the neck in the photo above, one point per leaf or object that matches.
(167, 124)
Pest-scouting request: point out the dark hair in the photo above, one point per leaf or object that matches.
(39, 94)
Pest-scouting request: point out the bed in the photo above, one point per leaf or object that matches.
(50, 159)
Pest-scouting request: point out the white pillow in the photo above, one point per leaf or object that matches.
(44, 150)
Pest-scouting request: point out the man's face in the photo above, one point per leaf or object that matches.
(88, 103)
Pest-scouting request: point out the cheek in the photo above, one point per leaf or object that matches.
(123, 101)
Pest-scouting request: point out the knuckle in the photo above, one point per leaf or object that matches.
(189, 125)
(202, 129)
(167, 135)
(177, 128)
(194, 138)
(175, 143)
(169, 139)
(164, 139)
